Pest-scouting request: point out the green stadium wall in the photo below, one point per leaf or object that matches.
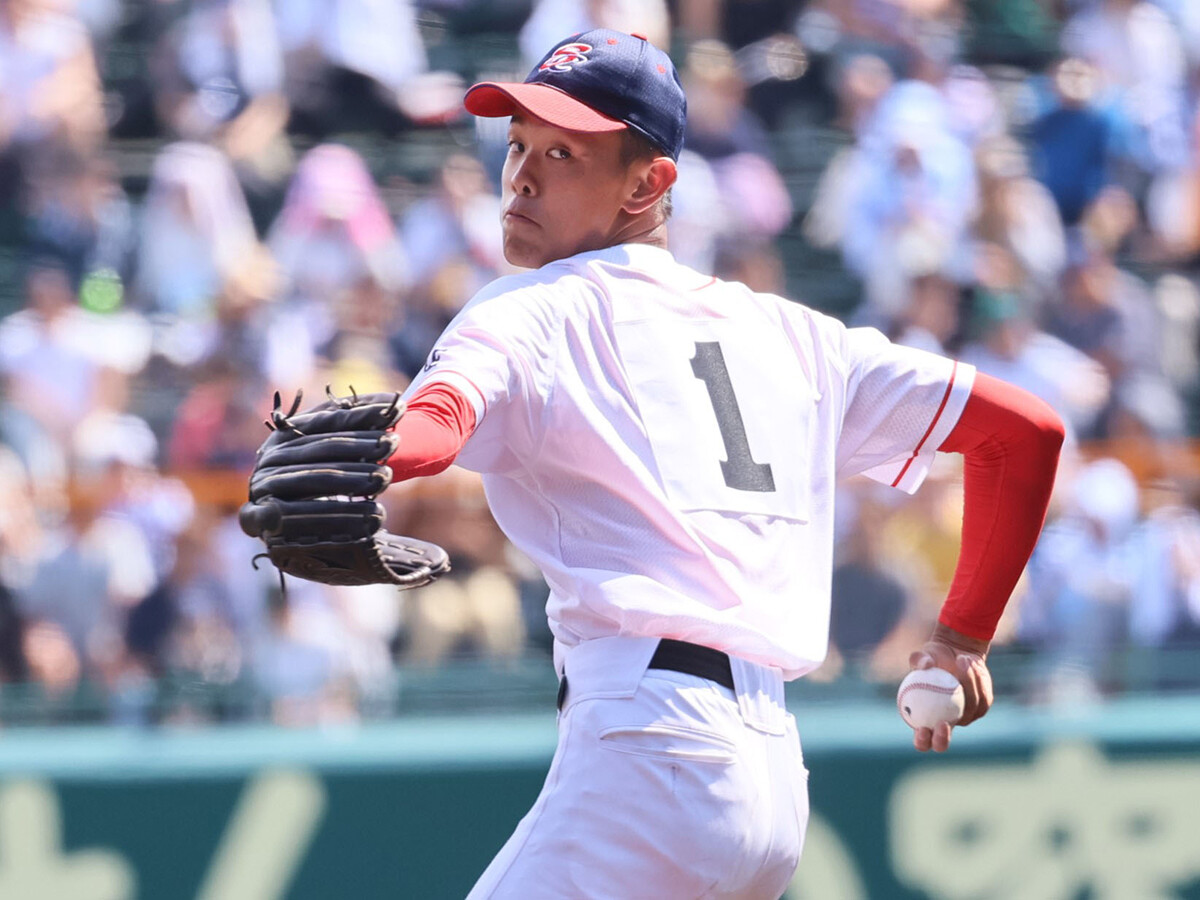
(1101, 803)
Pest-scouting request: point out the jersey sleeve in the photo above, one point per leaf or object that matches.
(901, 403)
(497, 352)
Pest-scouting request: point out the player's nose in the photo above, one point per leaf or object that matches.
(521, 177)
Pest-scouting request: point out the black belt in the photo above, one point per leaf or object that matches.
(693, 659)
(680, 656)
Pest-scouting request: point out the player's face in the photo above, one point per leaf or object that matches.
(563, 192)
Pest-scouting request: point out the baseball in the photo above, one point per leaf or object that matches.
(929, 696)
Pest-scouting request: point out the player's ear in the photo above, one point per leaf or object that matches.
(653, 181)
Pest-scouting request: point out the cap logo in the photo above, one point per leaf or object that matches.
(565, 57)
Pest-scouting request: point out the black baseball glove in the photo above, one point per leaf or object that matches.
(313, 490)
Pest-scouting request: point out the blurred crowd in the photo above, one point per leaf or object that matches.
(194, 213)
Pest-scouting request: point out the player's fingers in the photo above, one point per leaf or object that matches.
(923, 739)
(919, 659)
(970, 683)
(986, 695)
(983, 702)
(977, 688)
(940, 739)
(980, 689)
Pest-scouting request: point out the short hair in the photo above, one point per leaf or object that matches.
(636, 146)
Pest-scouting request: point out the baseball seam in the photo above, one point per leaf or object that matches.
(925, 685)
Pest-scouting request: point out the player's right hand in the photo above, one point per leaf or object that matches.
(966, 658)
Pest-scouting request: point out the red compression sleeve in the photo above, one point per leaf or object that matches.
(435, 425)
(1011, 441)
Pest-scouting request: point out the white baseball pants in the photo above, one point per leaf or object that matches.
(664, 785)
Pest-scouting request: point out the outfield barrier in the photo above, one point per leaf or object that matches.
(1103, 802)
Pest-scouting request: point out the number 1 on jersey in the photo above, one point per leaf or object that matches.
(740, 470)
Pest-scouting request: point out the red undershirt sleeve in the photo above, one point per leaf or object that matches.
(1010, 440)
(435, 426)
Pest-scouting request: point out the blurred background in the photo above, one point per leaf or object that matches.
(203, 201)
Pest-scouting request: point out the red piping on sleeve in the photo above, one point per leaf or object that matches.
(928, 431)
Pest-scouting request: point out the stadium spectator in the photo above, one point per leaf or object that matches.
(551, 19)
(297, 662)
(350, 64)
(1178, 301)
(1085, 577)
(221, 593)
(46, 354)
(360, 354)
(1018, 214)
(862, 81)
(452, 240)
(698, 217)
(14, 667)
(1166, 611)
(975, 111)
(1108, 314)
(371, 619)
(1009, 345)
(53, 663)
(334, 228)
(752, 260)
(83, 217)
(930, 318)
(20, 537)
(195, 232)
(458, 222)
(222, 607)
(115, 455)
(339, 259)
(1138, 52)
(917, 39)
(87, 574)
(718, 124)
(476, 610)
(731, 139)
(872, 599)
(49, 84)
(1072, 142)
(218, 78)
(41, 489)
(219, 420)
(910, 195)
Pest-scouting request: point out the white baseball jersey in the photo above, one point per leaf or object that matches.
(664, 445)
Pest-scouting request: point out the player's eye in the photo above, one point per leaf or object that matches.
(516, 147)
(560, 153)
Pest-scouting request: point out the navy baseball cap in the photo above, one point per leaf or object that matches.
(598, 81)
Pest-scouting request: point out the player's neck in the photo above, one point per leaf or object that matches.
(652, 232)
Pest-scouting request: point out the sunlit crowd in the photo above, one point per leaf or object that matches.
(206, 201)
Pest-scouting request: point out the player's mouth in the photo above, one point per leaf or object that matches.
(512, 217)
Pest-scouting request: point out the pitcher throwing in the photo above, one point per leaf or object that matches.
(665, 446)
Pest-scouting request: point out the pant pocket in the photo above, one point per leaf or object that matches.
(669, 742)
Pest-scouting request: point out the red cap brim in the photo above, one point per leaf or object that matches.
(492, 99)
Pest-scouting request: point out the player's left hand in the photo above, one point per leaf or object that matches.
(966, 658)
(314, 496)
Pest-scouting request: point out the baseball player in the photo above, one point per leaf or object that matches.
(665, 446)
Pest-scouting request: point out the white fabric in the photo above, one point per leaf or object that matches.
(662, 786)
(594, 380)
(243, 30)
(378, 38)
